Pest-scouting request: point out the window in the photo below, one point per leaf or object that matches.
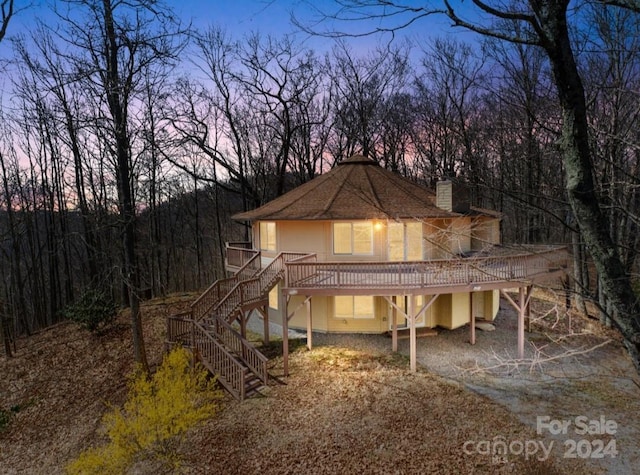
(354, 306)
(405, 241)
(353, 238)
(267, 236)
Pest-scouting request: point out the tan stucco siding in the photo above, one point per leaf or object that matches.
(447, 237)
(318, 313)
(460, 235)
(452, 310)
(485, 231)
(378, 324)
(303, 236)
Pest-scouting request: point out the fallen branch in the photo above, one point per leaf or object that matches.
(537, 361)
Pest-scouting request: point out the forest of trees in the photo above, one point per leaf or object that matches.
(128, 139)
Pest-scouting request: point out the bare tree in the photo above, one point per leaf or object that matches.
(362, 89)
(113, 48)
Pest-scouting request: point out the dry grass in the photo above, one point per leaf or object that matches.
(342, 410)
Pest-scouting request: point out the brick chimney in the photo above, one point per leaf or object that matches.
(452, 196)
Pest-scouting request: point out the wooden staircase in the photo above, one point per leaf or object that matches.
(207, 326)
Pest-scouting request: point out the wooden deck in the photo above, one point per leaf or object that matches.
(206, 328)
(497, 268)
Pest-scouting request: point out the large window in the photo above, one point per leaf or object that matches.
(353, 238)
(354, 306)
(267, 236)
(405, 241)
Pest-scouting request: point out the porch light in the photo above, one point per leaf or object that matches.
(377, 225)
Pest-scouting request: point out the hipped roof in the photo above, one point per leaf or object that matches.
(358, 188)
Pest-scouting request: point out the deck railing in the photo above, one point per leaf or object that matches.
(307, 273)
(238, 255)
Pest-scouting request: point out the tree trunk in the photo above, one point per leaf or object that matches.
(580, 183)
(4, 332)
(118, 109)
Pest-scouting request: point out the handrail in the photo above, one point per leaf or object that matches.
(238, 256)
(204, 304)
(219, 361)
(179, 328)
(249, 291)
(234, 341)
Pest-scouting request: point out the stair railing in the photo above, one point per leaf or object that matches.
(255, 360)
(230, 372)
(204, 304)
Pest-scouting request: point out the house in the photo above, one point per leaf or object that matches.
(362, 249)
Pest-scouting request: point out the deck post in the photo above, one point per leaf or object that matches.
(285, 337)
(412, 334)
(521, 311)
(394, 325)
(528, 307)
(243, 323)
(472, 321)
(265, 320)
(309, 323)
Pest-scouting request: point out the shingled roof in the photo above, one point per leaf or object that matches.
(357, 188)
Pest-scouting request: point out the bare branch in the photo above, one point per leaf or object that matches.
(353, 12)
(493, 32)
(6, 7)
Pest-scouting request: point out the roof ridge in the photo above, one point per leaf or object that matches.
(373, 191)
(336, 192)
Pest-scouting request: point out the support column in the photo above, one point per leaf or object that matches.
(528, 307)
(243, 323)
(521, 311)
(472, 321)
(265, 321)
(309, 322)
(285, 337)
(394, 325)
(412, 333)
(521, 307)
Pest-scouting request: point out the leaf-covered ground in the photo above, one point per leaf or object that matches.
(347, 407)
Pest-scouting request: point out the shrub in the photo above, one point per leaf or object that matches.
(5, 418)
(95, 310)
(7, 415)
(155, 417)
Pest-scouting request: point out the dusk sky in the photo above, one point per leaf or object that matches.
(241, 17)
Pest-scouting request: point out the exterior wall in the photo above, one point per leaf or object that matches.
(495, 305)
(304, 236)
(484, 231)
(460, 235)
(449, 311)
(323, 316)
(447, 237)
(441, 239)
(453, 310)
(319, 313)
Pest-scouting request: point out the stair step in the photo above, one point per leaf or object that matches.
(252, 386)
